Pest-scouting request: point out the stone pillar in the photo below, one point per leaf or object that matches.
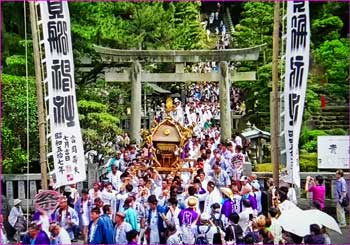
(135, 78)
(225, 110)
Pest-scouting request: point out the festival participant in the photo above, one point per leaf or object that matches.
(174, 235)
(67, 218)
(130, 213)
(83, 208)
(172, 214)
(257, 195)
(246, 216)
(315, 236)
(219, 176)
(132, 237)
(95, 227)
(228, 206)
(275, 227)
(99, 204)
(16, 219)
(42, 219)
(205, 229)
(233, 231)
(59, 235)
(246, 193)
(317, 189)
(121, 228)
(187, 218)
(35, 236)
(155, 229)
(95, 192)
(114, 178)
(212, 197)
(108, 194)
(107, 225)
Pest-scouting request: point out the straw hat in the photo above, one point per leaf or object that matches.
(227, 191)
(16, 202)
(192, 202)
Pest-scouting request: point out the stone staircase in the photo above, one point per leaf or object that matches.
(331, 117)
(228, 21)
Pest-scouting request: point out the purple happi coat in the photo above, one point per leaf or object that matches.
(228, 207)
(187, 216)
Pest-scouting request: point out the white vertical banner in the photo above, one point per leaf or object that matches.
(297, 68)
(67, 144)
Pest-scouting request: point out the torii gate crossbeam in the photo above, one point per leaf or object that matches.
(179, 57)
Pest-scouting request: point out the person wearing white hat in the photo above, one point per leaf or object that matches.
(16, 218)
(205, 230)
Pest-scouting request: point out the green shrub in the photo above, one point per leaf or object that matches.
(336, 131)
(264, 167)
(308, 162)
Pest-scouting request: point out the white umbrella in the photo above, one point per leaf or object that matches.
(322, 218)
(298, 221)
(293, 220)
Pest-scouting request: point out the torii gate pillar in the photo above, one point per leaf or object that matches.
(136, 90)
(225, 110)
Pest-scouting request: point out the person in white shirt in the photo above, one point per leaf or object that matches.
(214, 196)
(171, 217)
(16, 218)
(238, 140)
(246, 215)
(205, 228)
(275, 227)
(108, 194)
(114, 178)
(174, 236)
(60, 235)
(95, 192)
(121, 228)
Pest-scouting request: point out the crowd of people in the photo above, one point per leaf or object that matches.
(151, 208)
(216, 204)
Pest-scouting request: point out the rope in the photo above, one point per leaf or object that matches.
(27, 84)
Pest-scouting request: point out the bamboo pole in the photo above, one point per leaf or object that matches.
(275, 151)
(40, 99)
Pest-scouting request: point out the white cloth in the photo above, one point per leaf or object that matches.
(94, 195)
(172, 216)
(92, 232)
(115, 180)
(154, 235)
(120, 234)
(15, 213)
(45, 224)
(85, 215)
(291, 196)
(63, 237)
(203, 229)
(213, 197)
(244, 218)
(108, 197)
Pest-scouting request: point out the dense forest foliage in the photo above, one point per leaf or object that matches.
(158, 25)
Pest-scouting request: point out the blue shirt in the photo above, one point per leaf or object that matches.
(340, 186)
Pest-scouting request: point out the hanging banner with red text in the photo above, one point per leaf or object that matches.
(67, 144)
(297, 68)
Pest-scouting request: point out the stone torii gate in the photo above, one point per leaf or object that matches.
(179, 58)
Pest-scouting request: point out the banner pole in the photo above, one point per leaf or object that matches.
(275, 152)
(40, 99)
